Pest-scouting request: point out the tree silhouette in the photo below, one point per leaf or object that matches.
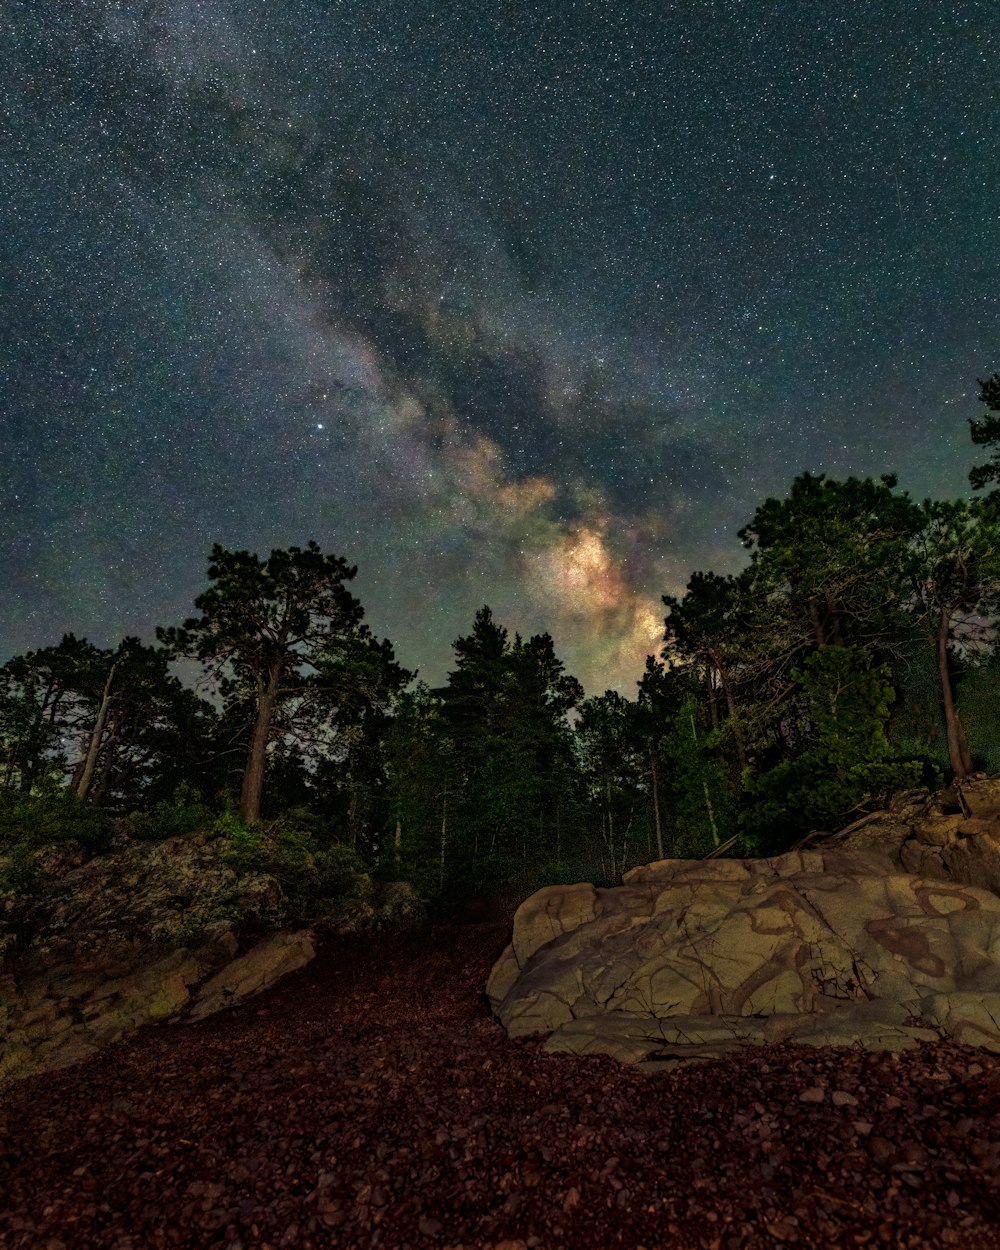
(986, 433)
(276, 634)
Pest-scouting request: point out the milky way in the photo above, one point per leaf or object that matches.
(520, 304)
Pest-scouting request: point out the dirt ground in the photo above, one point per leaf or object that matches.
(370, 1100)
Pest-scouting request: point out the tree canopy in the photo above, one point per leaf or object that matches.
(855, 653)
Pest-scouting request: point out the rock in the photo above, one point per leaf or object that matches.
(967, 1016)
(394, 905)
(979, 795)
(937, 830)
(399, 906)
(951, 835)
(253, 972)
(547, 914)
(150, 933)
(692, 958)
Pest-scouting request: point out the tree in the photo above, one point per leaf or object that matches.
(716, 627)
(612, 767)
(42, 711)
(134, 707)
(357, 686)
(840, 553)
(956, 591)
(423, 780)
(505, 707)
(108, 723)
(698, 799)
(273, 634)
(986, 433)
(842, 759)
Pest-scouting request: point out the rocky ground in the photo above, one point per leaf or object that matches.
(370, 1100)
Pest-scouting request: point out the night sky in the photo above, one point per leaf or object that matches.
(513, 303)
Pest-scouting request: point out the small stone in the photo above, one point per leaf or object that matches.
(862, 1127)
(814, 1094)
(841, 1098)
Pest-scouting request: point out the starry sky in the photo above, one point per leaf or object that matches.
(505, 301)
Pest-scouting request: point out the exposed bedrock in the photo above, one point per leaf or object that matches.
(152, 933)
(844, 944)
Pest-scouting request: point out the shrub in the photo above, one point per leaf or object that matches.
(58, 817)
(175, 817)
(313, 877)
(19, 873)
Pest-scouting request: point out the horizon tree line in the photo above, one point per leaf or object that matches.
(841, 663)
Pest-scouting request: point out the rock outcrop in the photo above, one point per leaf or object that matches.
(690, 958)
(151, 933)
(950, 835)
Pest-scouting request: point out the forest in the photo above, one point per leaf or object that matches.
(853, 656)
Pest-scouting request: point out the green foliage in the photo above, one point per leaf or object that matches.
(786, 698)
(699, 805)
(978, 700)
(557, 873)
(313, 877)
(176, 817)
(56, 817)
(501, 767)
(915, 721)
(986, 433)
(840, 552)
(845, 760)
(112, 724)
(19, 873)
(285, 642)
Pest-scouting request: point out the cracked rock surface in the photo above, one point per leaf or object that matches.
(135, 938)
(690, 959)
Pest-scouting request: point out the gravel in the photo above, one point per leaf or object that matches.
(370, 1100)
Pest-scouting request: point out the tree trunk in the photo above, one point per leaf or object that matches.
(96, 735)
(444, 832)
(708, 797)
(713, 698)
(958, 749)
(352, 809)
(608, 824)
(817, 624)
(253, 777)
(727, 689)
(110, 752)
(656, 807)
(833, 616)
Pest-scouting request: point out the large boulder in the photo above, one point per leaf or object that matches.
(690, 958)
